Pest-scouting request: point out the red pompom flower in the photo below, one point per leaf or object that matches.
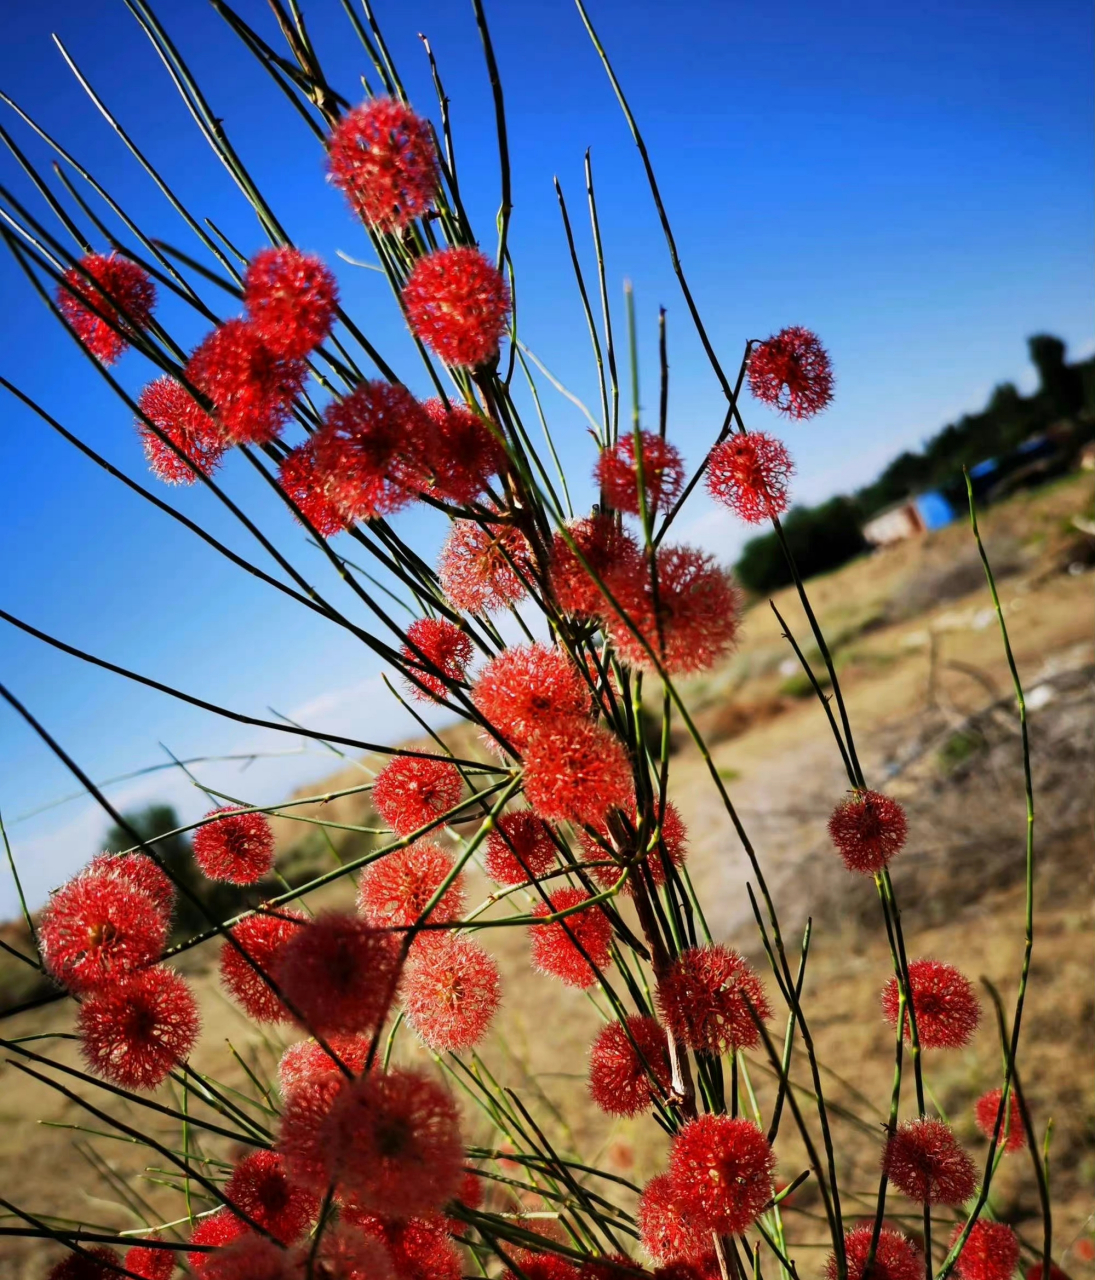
(606, 548)
(300, 477)
(291, 300)
(235, 846)
(139, 870)
(896, 1257)
(991, 1251)
(95, 1263)
(413, 791)
(445, 645)
(149, 1262)
(308, 1059)
(262, 936)
(923, 1159)
(944, 1003)
(792, 373)
(260, 1187)
(248, 1257)
(528, 688)
(469, 452)
(381, 156)
(220, 1229)
(451, 991)
(576, 771)
(173, 410)
(622, 1062)
(139, 1028)
(344, 1254)
(482, 567)
(457, 302)
(668, 1234)
(617, 473)
(749, 474)
(397, 888)
(985, 1112)
(705, 997)
(555, 946)
(721, 1173)
(868, 829)
(116, 285)
(519, 849)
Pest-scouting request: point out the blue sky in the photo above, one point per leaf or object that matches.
(913, 182)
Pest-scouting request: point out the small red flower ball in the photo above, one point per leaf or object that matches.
(528, 688)
(338, 973)
(896, 1257)
(451, 992)
(291, 300)
(396, 889)
(575, 771)
(139, 870)
(300, 478)
(991, 1251)
(260, 1186)
(235, 846)
(138, 1029)
(749, 474)
(690, 621)
(412, 791)
(372, 450)
(98, 928)
(95, 1263)
(116, 286)
(308, 1059)
(792, 373)
(382, 158)
(555, 946)
(923, 1159)
(868, 829)
(519, 849)
(302, 1140)
(173, 410)
(262, 936)
(617, 473)
(985, 1112)
(344, 1254)
(705, 996)
(446, 646)
(421, 1250)
(673, 844)
(605, 547)
(248, 1257)
(220, 1229)
(945, 1005)
(470, 453)
(252, 388)
(149, 1262)
(457, 302)
(483, 567)
(629, 1068)
(721, 1173)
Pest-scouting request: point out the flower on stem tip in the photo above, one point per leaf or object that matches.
(397, 887)
(291, 300)
(668, 1234)
(720, 1173)
(705, 1000)
(868, 829)
(381, 156)
(247, 1257)
(344, 1253)
(450, 992)
(301, 478)
(445, 645)
(116, 285)
(308, 1060)
(235, 846)
(555, 946)
(532, 853)
(985, 1112)
(173, 410)
(457, 302)
(576, 771)
(923, 1159)
(991, 1251)
(792, 373)
(944, 1003)
(412, 791)
(605, 546)
(260, 1187)
(148, 1262)
(528, 688)
(469, 452)
(420, 1248)
(262, 936)
(139, 870)
(749, 474)
(622, 1062)
(482, 566)
(96, 1263)
(896, 1257)
(617, 473)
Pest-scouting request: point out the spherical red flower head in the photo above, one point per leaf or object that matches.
(451, 991)
(381, 156)
(302, 1140)
(457, 302)
(300, 477)
(721, 1173)
(529, 688)
(262, 936)
(219, 1229)
(445, 645)
(419, 1248)
(251, 387)
(413, 791)
(148, 1262)
(896, 1257)
(867, 829)
(291, 300)
(923, 1159)
(749, 474)
(945, 1005)
(372, 450)
(575, 771)
(260, 1186)
(482, 566)
(98, 928)
(520, 849)
(705, 999)
(617, 473)
(173, 410)
(397, 888)
(990, 1253)
(344, 1254)
(690, 622)
(308, 1059)
(338, 973)
(557, 947)
(621, 1066)
(792, 373)
(470, 453)
(95, 1263)
(394, 1140)
(668, 1234)
(470, 1193)
(118, 291)
(605, 547)
(137, 1029)
(987, 1108)
(622, 840)
(250, 1257)
(235, 846)
(139, 870)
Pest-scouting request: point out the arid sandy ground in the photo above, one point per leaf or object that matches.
(928, 690)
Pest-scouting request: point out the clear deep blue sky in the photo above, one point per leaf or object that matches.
(914, 182)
